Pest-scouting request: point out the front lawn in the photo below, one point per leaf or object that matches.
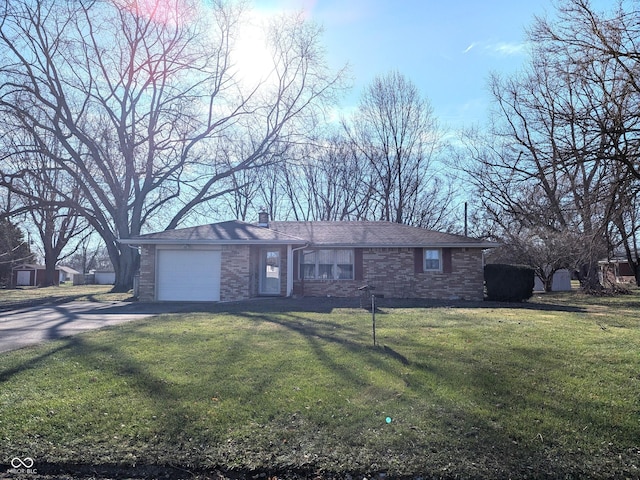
(29, 296)
(548, 389)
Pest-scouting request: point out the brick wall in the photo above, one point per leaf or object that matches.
(147, 281)
(236, 279)
(391, 271)
(239, 272)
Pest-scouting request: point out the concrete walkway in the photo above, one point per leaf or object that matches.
(32, 325)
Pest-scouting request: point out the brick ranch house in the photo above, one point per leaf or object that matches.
(235, 260)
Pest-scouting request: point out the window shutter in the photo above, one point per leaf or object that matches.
(358, 264)
(446, 261)
(296, 265)
(418, 260)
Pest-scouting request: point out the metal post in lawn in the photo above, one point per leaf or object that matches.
(373, 316)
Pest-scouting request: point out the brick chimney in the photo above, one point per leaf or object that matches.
(263, 219)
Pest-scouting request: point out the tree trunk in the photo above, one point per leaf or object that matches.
(635, 268)
(50, 275)
(634, 264)
(125, 269)
(589, 277)
(50, 260)
(548, 283)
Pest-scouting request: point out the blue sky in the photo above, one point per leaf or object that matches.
(448, 48)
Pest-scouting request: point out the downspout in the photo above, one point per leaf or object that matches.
(290, 251)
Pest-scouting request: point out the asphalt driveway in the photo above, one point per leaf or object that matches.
(32, 325)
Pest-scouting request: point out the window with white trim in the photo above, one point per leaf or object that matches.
(327, 264)
(432, 260)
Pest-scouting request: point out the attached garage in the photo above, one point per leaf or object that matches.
(188, 275)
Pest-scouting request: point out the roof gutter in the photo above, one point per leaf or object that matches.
(290, 272)
(305, 243)
(407, 245)
(137, 241)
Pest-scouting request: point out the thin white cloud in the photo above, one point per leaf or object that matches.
(507, 48)
(468, 49)
(502, 49)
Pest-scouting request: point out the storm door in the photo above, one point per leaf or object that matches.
(270, 272)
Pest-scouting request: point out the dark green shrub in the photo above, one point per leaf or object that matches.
(508, 283)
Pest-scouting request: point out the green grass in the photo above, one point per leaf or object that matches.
(547, 389)
(24, 296)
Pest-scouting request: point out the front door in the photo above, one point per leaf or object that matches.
(270, 272)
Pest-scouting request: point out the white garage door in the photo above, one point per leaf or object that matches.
(188, 275)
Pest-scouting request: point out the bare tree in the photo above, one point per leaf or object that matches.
(336, 183)
(14, 249)
(243, 185)
(601, 53)
(535, 170)
(624, 233)
(335, 179)
(89, 254)
(565, 146)
(294, 187)
(396, 133)
(143, 101)
(38, 184)
(320, 179)
(609, 42)
(379, 166)
(56, 227)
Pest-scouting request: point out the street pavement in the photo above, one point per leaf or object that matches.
(32, 325)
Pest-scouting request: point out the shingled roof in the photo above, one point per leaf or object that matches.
(373, 234)
(230, 232)
(328, 234)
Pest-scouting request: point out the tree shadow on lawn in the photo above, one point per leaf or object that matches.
(484, 444)
(468, 304)
(34, 362)
(316, 305)
(180, 429)
(484, 438)
(319, 333)
(329, 304)
(483, 420)
(564, 438)
(53, 299)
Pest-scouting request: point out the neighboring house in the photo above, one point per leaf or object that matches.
(616, 270)
(30, 275)
(67, 273)
(236, 260)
